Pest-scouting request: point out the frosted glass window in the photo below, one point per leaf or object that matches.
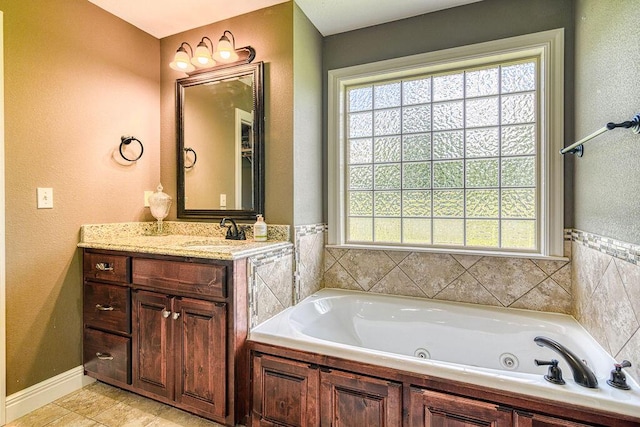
(387, 95)
(445, 160)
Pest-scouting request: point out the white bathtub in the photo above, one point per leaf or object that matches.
(476, 344)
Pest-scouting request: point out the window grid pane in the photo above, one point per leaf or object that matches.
(445, 160)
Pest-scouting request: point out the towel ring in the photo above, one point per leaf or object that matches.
(126, 140)
(188, 150)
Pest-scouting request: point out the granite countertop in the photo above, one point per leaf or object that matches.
(198, 240)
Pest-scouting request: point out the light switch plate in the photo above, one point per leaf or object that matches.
(45, 198)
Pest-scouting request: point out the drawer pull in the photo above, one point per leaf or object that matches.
(104, 266)
(104, 307)
(166, 313)
(175, 316)
(104, 356)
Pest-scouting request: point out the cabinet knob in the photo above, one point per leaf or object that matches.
(104, 307)
(175, 316)
(104, 266)
(104, 356)
(166, 313)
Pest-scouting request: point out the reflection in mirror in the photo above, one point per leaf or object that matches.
(220, 143)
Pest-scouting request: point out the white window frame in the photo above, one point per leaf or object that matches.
(548, 47)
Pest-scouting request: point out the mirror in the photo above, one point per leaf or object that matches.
(220, 133)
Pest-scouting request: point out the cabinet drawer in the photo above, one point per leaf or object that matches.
(180, 278)
(107, 356)
(110, 268)
(107, 307)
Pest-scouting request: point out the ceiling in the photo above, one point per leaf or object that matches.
(162, 18)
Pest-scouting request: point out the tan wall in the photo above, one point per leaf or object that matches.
(270, 32)
(76, 79)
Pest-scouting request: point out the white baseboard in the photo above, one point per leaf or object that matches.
(45, 392)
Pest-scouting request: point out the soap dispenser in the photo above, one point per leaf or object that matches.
(260, 230)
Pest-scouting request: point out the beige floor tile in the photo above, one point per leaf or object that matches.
(177, 418)
(122, 415)
(86, 402)
(74, 420)
(40, 417)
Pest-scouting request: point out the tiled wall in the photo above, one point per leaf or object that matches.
(309, 259)
(499, 281)
(271, 289)
(606, 294)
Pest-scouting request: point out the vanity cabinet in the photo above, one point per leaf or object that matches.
(180, 349)
(291, 393)
(107, 318)
(431, 408)
(304, 389)
(169, 328)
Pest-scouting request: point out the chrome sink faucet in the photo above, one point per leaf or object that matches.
(237, 233)
(581, 372)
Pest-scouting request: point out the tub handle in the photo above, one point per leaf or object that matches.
(554, 375)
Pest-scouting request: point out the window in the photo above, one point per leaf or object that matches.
(455, 149)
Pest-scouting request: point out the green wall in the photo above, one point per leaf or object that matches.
(474, 23)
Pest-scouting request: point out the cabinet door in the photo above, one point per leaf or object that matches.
(200, 343)
(429, 408)
(152, 358)
(285, 392)
(348, 399)
(535, 420)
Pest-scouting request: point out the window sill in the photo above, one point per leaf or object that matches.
(469, 252)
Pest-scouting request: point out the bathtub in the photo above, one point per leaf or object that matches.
(476, 344)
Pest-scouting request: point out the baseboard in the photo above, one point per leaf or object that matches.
(45, 392)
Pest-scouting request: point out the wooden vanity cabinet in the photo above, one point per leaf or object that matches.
(296, 388)
(180, 350)
(290, 393)
(107, 318)
(432, 408)
(169, 328)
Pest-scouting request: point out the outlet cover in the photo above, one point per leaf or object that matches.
(45, 198)
(146, 198)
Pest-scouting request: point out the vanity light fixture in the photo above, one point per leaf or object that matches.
(202, 56)
(181, 60)
(226, 50)
(205, 57)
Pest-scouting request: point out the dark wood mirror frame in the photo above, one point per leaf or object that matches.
(257, 70)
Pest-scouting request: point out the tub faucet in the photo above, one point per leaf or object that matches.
(581, 372)
(237, 233)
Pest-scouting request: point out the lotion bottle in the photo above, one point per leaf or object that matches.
(260, 230)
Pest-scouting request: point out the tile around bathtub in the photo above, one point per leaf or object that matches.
(630, 275)
(467, 260)
(398, 256)
(338, 277)
(397, 283)
(563, 278)
(329, 260)
(549, 266)
(507, 278)
(431, 272)
(616, 310)
(467, 289)
(367, 267)
(547, 296)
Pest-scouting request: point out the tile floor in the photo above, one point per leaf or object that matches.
(100, 405)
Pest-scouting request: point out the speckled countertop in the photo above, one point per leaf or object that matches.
(199, 240)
